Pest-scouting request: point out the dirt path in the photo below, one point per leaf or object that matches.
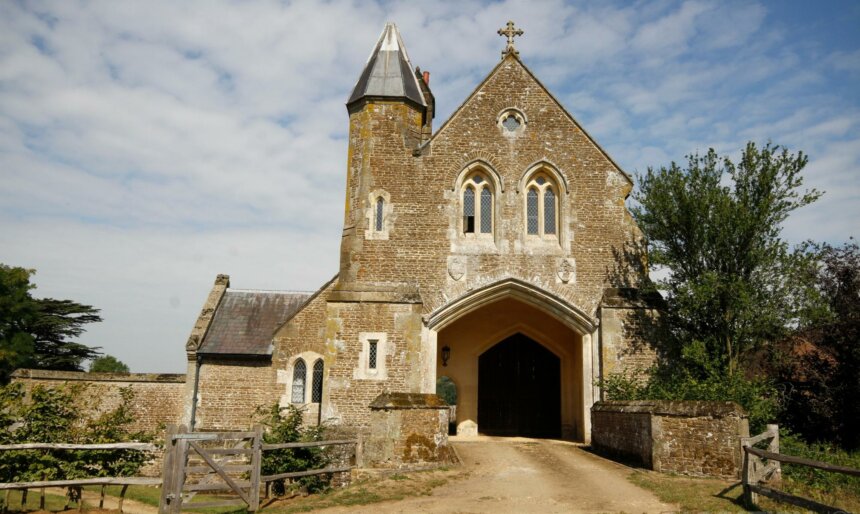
(531, 476)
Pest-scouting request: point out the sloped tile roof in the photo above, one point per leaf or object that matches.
(245, 321)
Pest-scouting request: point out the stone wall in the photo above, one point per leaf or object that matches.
(688, 438)
(157, 401)
(407, 431)
(230, 391)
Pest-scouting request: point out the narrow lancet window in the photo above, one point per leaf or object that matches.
(299, 376)
(486, 211)
(532, 211)
(469, 211)
(371, 353)
(548, 211)
(380, 204)
(317, 384)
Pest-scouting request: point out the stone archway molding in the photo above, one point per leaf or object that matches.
(521, 290)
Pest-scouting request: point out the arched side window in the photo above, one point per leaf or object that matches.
(317, 382)
(469, 210)
(477, 218)
(380, 209)
(299, 377)
(542, 207)
(532, 211)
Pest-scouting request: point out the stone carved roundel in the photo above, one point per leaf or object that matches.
(456, 268)
(566, 271)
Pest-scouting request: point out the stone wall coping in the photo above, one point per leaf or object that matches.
(85, 376)
(406, 401)
(671, 408)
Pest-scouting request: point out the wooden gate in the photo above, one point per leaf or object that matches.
(210, 462)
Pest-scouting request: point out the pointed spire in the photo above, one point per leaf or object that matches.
(388, 72)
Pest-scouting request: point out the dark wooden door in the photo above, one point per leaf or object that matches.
(519, 389)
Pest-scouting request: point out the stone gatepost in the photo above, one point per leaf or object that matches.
(407, 431)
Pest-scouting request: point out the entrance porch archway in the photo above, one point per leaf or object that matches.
(470, 326)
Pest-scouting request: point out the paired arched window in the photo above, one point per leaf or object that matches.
(541, 206)
(300, 381)
(477, 205)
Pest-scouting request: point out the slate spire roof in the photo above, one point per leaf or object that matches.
(388, 72)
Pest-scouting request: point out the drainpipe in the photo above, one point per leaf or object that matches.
(199, 362)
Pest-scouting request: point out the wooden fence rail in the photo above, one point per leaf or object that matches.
(231, 463)
(756, 472)
(76, 482)
(179, 442)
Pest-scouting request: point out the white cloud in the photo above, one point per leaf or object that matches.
(146, 147)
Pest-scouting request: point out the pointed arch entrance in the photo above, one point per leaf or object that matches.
(544, 325)
(519, 389)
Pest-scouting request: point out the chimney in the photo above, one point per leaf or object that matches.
(427, 78)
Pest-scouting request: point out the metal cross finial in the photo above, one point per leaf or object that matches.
(510, 32)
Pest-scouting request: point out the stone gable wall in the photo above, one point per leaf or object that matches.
(688, 438)
(157, 401)
(425, 231)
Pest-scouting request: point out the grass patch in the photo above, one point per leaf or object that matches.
(364, 492)
(152, 496)
(692, 494)
(53, 502)
(140, 493)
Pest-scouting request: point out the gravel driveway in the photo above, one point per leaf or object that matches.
(529, 476)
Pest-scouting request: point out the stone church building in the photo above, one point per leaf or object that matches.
(487, 250)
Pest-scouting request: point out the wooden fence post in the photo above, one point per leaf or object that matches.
(776, 476)
(256, 463)
(748, 479)
(173, 474)
(178, 472)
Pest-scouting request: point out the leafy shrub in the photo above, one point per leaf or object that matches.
(758, 397)
(791, 444)
(52, 415)
(284, 425)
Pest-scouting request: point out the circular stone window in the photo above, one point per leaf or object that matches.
(512, 122)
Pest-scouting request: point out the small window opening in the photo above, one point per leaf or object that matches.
(299, 375)
(317, 384)
(372, 351)
(380, 203)
(469, 211)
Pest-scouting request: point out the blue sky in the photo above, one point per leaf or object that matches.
(146, 147)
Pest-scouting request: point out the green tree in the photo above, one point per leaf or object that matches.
(36, 332)
(108, 364)
(16, 309)
(818, 365)
(714, 226)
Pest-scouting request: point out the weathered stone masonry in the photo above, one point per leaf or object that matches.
(158, 398)
(688, 438)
